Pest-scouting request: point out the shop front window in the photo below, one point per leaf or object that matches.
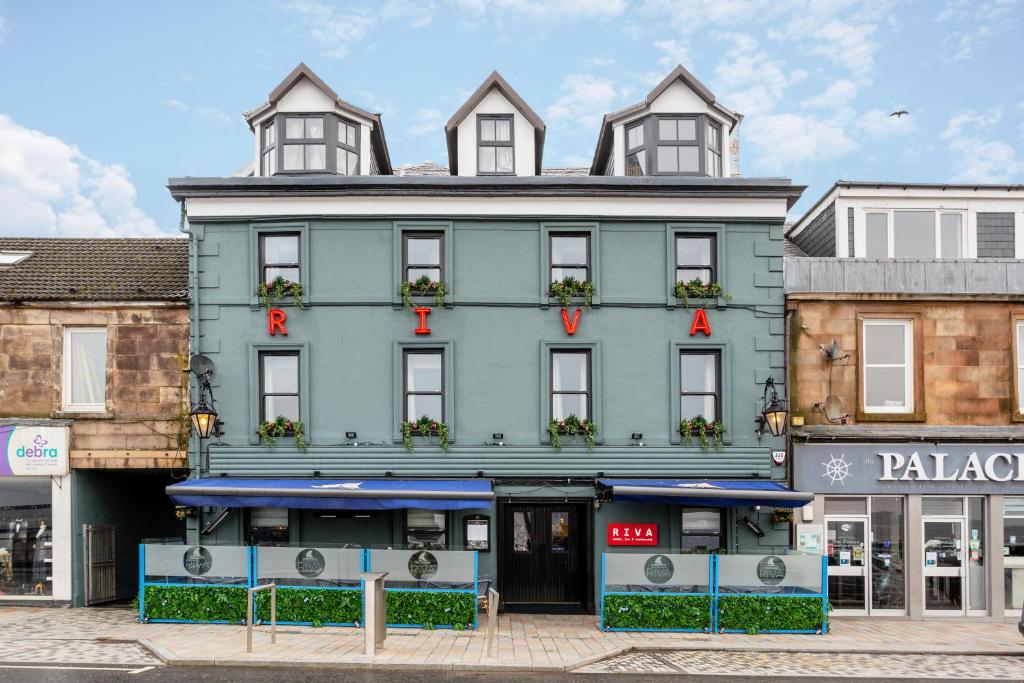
(26, 537)
(426, 529)
(1013, 552)
(888, 560)
(268, 526)
(701, 531)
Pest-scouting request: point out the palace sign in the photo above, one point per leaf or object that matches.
(632, 534)
(956, 468)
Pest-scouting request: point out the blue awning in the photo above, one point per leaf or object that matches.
(335, 494)
(721, 494)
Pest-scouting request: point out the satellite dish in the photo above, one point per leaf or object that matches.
(200, 364)
(833, 408)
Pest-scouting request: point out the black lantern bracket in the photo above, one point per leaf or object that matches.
(774, 414)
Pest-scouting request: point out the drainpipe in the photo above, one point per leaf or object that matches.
(193, 287)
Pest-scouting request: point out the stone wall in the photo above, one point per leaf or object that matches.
(967, 374)
(146, 392)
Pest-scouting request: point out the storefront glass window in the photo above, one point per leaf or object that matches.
(26, 545)
(559, 532)
(522, 531)
(939, 505)
(426, 529)
(888, 563)
(701, 531)
(1013, 552)
(976, 593)
(268, 525)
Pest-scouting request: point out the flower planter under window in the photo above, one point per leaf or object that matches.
(708, 432)
(423, 286)
(279, 288)
(424, 427)
(698, 289)
(271, 431)
(570, 288)
(572, 426)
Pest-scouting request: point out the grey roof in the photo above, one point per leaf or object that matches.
(487, 186)
(72, 269)
(432, 168)
(789, 248)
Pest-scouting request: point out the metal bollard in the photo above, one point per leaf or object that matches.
(250, 606)
(375, 607)
(492, 618)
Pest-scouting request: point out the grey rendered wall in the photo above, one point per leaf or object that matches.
(819, 237)
(996, 235)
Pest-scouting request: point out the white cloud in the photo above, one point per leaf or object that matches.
(49, 188)
(599, 61)
(783, 140)
(427, 121)
(837, 95)
(584, 99)
(973, 22)
(3, 29)
(978, 158)
(210, 113)
(177, 105)
(750, 81)
(690, 16)
(548, 9)
(337, 28)
(674, 53)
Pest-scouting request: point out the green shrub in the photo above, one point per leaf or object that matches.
(312, 606)
(431, 609)
(658, 611)
(775, 613)
(201, 603)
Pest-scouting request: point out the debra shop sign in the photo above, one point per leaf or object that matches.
(632, 534)
(33, 451)
(904, 468)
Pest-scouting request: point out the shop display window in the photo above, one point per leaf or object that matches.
(426, 529)
(1013, 552)
(701, 530)
(268, 525)
(26, 537)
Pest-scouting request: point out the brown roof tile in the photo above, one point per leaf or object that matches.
(72, 269)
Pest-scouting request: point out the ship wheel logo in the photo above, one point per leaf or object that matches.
(837, 469)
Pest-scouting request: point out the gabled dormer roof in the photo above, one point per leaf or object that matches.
(680, 73)
(494, 81)
(300, 72)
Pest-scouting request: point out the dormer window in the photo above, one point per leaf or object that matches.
(674, 145)
(300, 143)
(495, 151)
(303, 144)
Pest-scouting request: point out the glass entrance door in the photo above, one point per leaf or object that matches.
(847, 563)
(944, 566)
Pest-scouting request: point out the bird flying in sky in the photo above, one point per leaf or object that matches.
(900, 114)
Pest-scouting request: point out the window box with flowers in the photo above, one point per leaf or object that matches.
(270, 293)
(426, 427)
(572, 426)
(698, 289)
(782, 515)
(569, 288)
(272, 430)
(703, 429)
(422, 286)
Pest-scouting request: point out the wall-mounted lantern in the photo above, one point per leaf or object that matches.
(773, 412)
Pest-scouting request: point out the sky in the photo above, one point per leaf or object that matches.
(101, 102)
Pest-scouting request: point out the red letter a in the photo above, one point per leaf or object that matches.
(700, 323)
(570, 328)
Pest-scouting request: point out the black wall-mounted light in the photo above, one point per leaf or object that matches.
(497, 436)
(773, 411)
(637, 436)
(204, 413)
(350, 435)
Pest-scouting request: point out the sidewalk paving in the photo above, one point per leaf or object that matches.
(523, 642)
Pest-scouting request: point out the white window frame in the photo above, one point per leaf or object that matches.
(908, 364)
(891, 229)
(66, 388)
(1018, 326)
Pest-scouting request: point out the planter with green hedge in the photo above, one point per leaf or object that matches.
(202, 602)
(430, 609)
(757, 614)
(663, 612)
(313, 606)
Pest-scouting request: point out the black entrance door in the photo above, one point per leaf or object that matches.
(544, 560)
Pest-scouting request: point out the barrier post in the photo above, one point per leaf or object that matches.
(824, 594)
(375, 608)
(492, 618)
(250, 608)
(601, 608)
(142, 583)
(476, 588)
(713, 585)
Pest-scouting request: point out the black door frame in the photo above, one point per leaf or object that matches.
(586, 507)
